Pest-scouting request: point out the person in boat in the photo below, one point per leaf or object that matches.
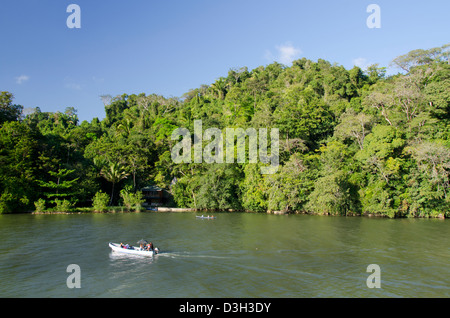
(150, 247)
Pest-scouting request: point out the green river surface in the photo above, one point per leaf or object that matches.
(237, 255)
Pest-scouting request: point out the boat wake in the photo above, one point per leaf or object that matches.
(187, 255)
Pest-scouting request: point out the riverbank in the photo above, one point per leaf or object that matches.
(121, 209)
(177, 210)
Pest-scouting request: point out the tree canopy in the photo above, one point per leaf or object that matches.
(351, 142)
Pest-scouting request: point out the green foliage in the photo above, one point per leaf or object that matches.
(254, 190)
(100, 202)
(383, 142)
(351, 141)
(63, 205)
(132, 200)
(40, 205)
(8, 110)
(18, 152)
(114, 173)
(304, 115)
(331, 195)
(288, 190)
(60, 189)
(218, 188)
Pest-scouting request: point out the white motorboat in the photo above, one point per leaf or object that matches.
(132, 250)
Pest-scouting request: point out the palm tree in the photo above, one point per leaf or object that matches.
(220, 87)
(114, 173)
(125, 128)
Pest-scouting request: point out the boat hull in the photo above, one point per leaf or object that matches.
(134, 251)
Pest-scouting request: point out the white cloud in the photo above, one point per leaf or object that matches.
(74, 86)
(98, 80)
(22, 78)
(70, 83)
(361, 62)
(286, 53)
(269, 56)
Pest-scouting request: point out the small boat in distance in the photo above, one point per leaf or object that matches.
(128, 249)
(205, 217)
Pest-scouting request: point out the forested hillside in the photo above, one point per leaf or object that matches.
(351, 142)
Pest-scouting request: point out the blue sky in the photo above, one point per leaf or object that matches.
(169, 47)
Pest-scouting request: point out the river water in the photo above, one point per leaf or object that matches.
(237, 255)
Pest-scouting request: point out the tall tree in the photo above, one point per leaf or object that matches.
(114, 173)
(60, 187)
(8, 110)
